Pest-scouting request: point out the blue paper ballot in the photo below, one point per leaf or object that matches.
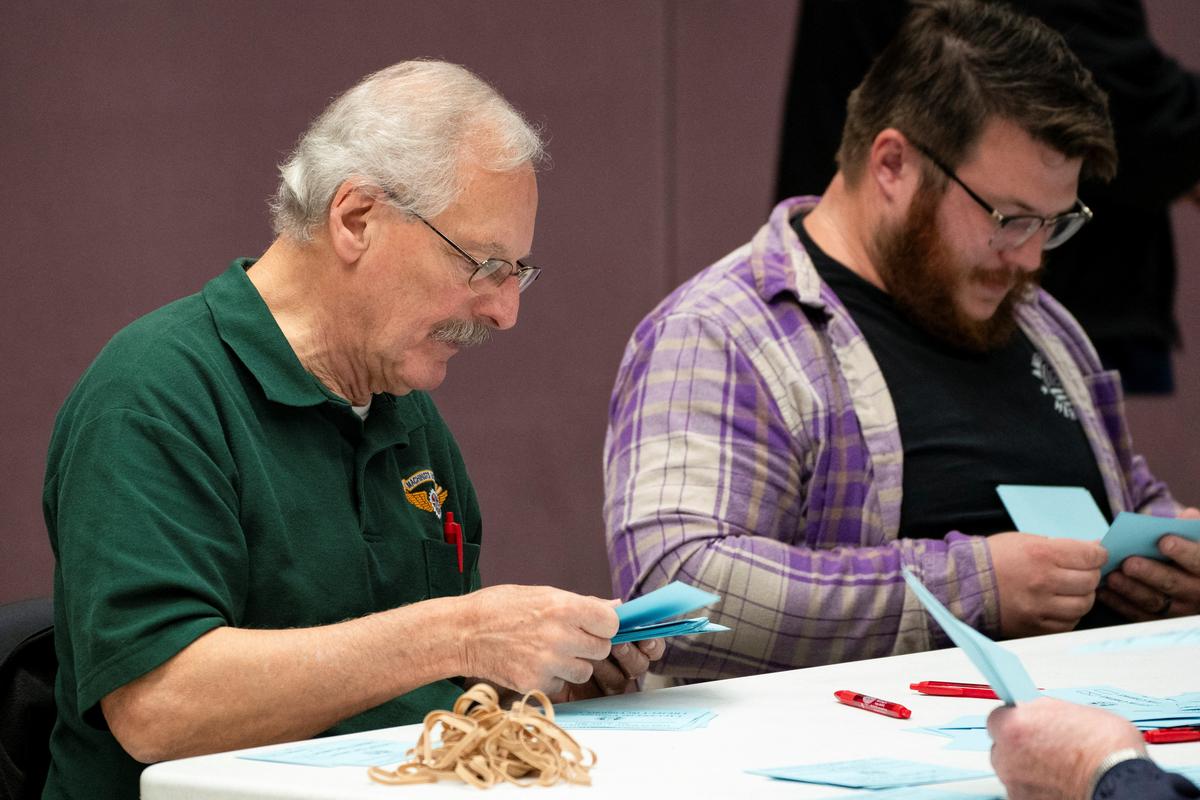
(640, 719)
(658, 630)
(977, 740)
(337, 753)
(1145, 711)
(1065, 512)
(670, 601)
(1002, 670)
(965, 733)
(646, 617)
(871, 773)
(1184, 638)
(1138, 535)
(1119, 701)
(964, 723)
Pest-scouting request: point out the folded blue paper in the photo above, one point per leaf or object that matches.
(1002, 670)
(871, 773)
(1070, 512)
(645, 617)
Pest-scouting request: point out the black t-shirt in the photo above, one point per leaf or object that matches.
(968, 421)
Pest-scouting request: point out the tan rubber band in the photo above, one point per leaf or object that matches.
(481, 744)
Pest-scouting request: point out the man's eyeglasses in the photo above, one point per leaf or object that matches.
(489, 275)
(1013, 231)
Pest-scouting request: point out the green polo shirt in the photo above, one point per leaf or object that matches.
(197, 477)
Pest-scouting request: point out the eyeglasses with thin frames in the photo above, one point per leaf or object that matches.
(490, 274)
(1012, 231)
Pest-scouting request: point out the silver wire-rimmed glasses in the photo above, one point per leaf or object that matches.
(491, 273)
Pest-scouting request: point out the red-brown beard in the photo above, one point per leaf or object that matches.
(921, 274)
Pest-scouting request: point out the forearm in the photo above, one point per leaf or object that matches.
(235, 688)
(791, 606)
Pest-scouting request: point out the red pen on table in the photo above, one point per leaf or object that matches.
(952, 689)
(453, 533)
(1184, 733)
(868, 703)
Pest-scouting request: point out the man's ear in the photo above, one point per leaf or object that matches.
(349, 215)
(893, 167)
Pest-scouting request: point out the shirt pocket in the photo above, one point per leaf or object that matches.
(441, 568)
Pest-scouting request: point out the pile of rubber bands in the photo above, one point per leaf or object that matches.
(482, 744)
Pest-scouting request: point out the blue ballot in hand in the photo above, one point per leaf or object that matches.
(645, 617)
(1062, 512)
(1003, 670)
(1070, 512)
(1138, 535)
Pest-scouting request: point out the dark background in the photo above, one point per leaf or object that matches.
(138, 144)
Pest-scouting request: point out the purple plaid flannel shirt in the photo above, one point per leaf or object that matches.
(753, 451)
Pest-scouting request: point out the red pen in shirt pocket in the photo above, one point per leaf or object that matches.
(453, 533)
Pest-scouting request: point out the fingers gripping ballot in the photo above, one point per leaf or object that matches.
(1144, 589)
(535, 637)
(1045, 585)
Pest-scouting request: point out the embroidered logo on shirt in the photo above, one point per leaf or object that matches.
(427, 498)
(1052, 386)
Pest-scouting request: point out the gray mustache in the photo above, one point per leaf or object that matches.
(461, 333)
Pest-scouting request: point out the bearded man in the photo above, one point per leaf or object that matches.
(840, 397)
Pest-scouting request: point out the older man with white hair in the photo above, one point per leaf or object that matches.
(263, 529)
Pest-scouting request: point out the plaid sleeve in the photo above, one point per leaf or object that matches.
(710, 456)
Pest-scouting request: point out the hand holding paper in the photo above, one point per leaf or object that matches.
(1071, 512)
(1045, 585)
(645, 617)
(1142, 589)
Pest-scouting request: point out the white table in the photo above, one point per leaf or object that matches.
(774, 720)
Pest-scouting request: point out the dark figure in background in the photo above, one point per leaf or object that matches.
(1117, 277)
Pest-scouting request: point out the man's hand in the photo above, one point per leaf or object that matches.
(617, 674)
(535, 637)
(1051, 748)
(1143, 589)
(1045, 585)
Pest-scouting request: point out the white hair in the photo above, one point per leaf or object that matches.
(407, 130)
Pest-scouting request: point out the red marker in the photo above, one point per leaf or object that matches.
(1172, 735)
(868, 703)
(453, 533)
(952, 689)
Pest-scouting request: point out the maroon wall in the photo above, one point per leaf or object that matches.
(138, 144)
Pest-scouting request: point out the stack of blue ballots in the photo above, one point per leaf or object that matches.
(1006, 675)
(1144, 711)
(1070, 512)
(1188, 637)
(646, 617)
